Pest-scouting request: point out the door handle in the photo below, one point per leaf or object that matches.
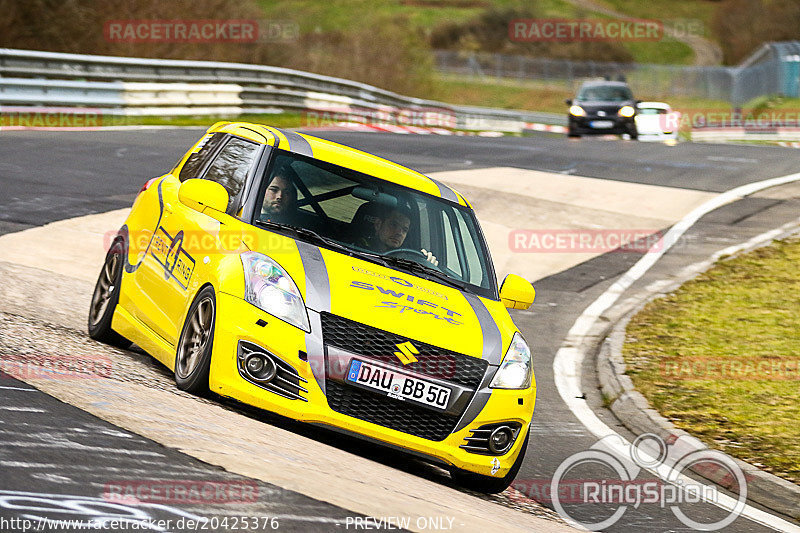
(168, 208)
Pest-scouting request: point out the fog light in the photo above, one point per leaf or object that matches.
(501, 439)
(260, 367)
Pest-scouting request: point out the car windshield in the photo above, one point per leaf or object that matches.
(379, 221)
(605, 93)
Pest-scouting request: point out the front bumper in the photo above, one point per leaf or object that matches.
(587, 125)
(237, 322)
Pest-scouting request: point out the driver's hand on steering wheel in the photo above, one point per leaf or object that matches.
(430, 257)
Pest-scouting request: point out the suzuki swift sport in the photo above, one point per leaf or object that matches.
(330, 286)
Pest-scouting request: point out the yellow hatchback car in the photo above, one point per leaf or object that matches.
(331, 286)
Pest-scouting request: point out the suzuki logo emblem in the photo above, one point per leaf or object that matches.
(407, 353)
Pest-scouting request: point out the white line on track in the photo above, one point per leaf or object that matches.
(69, 445)
(18, 388)
(22, 409)
(23, 464)
(569, 358)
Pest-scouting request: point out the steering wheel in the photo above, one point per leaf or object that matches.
(411, 254)
(408, 253)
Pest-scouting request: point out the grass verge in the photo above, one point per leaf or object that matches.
(719, 357)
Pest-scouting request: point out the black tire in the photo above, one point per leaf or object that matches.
(488, 484)
(106, 297)
(572, 134)
(193, 353)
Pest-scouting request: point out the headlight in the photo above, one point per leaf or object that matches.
(577, 111)
(626, 111)
(271, 289)
(515, 371)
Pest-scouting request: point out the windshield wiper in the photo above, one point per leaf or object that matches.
(319, 239)
(303, 232)
(430, 271)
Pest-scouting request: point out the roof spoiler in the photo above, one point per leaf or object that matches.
(218, 124)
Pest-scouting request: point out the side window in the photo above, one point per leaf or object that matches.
(451, 255)
(471, 252)
(424, 226)
(196, 161)
(231, 166)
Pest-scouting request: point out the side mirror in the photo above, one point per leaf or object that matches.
(516, 292)
(568, 101)
(201, 194)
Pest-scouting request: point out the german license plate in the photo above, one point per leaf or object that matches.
(601, 124)
(398, 385)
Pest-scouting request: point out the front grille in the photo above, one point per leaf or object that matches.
(380, 345)
(388, 412)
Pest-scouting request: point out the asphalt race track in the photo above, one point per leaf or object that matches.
(51, 451)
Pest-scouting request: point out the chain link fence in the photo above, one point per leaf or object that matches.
(773, 73)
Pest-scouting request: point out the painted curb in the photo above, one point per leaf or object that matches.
(635, 412)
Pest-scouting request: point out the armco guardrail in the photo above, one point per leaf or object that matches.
(137, 86)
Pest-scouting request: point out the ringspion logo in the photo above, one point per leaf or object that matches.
(624, 486)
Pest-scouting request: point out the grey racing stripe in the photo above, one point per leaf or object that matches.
(446, 192)
(318, 288)
(478, 401)
(492, 352)
(492, 341)
(318, 299)
(297, 143)
(274, 137)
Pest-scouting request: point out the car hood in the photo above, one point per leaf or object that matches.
(394, 301)
(603, 106)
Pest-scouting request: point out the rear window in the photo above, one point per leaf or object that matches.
(201, 155)
(232, 165)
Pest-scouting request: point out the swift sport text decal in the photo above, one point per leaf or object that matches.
(422, 307)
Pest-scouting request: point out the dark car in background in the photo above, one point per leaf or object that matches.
(602, 108)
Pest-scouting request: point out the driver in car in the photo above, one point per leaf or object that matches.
(391, 229)
(280, 198)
